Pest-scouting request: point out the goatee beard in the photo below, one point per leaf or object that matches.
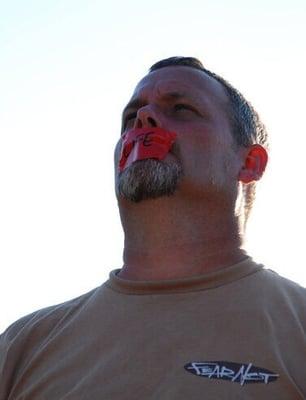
(148, 179)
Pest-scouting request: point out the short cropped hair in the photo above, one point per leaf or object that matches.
(247, 128)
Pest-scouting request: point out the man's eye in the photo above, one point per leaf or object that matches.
(179, 107)
(129, 118)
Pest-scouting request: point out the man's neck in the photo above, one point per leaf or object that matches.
(166, 239)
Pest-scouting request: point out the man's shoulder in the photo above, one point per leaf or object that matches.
(26, 338)
(274, 287)
(43, 322)
(278, 281)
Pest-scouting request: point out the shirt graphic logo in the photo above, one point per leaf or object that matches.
(230, 371)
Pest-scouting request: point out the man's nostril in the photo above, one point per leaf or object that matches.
(152, 122)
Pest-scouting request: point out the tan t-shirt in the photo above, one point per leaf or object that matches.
(238, 333)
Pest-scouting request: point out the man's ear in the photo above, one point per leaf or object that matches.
(255, 162)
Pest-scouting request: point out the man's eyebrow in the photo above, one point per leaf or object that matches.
(174, 95)
(137, 103)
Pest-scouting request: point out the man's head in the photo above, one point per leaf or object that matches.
(220, 137)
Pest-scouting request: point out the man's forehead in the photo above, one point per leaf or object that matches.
(181, 80)
(161, 85)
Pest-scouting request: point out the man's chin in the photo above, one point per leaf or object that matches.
(148, 179)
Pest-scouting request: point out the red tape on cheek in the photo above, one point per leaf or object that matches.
(144, 143)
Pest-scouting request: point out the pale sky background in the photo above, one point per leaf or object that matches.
(67, 67)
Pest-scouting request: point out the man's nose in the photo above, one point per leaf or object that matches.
(146, 117)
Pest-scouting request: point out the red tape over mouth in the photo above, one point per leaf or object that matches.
(144, 143)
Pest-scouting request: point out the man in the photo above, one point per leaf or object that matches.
(190, 314)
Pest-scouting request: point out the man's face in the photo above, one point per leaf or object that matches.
(203, 159)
